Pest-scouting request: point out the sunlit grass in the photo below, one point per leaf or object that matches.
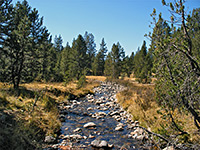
(34, 107)
(140, 101)
(99, 78)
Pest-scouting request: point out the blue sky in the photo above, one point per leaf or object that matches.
(124, 21)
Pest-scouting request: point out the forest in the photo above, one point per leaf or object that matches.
(171, 64)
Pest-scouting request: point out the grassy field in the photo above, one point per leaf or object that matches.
(31, 113)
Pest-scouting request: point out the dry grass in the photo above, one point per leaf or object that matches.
(36, 121)
(139, 100)
(99, 78)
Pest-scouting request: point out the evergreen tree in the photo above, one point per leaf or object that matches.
(108, 65)
(21, 45)
(143, 63)
(64, 65)
(91, 48)
(99, 61)
(58, 43)
(58, 48)
(176, 63)
(6, 10)
(118, 55)
(46, 59)
(131, 64)
(78, 57)
(127, 66)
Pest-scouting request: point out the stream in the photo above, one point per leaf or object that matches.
(98, 122)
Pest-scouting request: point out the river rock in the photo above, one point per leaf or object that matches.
(89, 108)
(90, 100)
(74, 136)
(95, 143)
(138, 131)
(67, 107)
(102, 114)
(99, 143)
(49, 139)
(89, 124)
(114, 113)
(77, 130)
(169, 148)
(103, 144)
(98, 102)
(119, 128)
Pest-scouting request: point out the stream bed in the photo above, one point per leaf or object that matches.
(98, 122)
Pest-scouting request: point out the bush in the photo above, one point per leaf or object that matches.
(81, 81)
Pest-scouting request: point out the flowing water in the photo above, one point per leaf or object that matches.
(83, 110)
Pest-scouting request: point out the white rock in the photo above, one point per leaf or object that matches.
(99, 143)
(169, 148)
(102, 113)
(119, 128)
(77, 130)
(103, 144)
(49, 139)
(89, 108)
(89, 124)
(95, 143)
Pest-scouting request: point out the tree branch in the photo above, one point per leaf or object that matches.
(158, 135)
(193, 63)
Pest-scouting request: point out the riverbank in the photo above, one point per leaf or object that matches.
(140, 101)
(98, 121)
(30, 114)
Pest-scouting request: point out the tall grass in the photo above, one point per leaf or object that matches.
(140, 101)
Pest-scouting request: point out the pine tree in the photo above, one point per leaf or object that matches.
(144, 64)
(177, 68)
(78, 57)
(45, 58)
(99, 61)
(108, 65)
(58, 48)
(64, 64)
(91, 48)
(6, 10)
(118, 55)
(21, 45)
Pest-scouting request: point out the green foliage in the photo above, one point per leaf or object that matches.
(78, 63)
(22, 47)
(143, 61)
(99, 60)
(81, 82)
(49, 103)
(176, 63)
(108, 65)
(113, 63)
(91, 48)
